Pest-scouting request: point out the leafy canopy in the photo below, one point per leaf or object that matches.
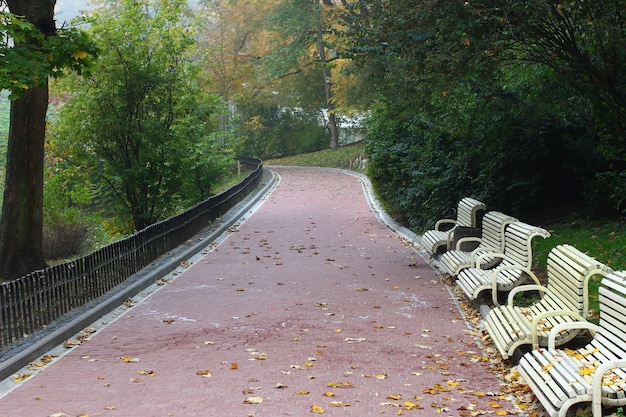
(28, 56)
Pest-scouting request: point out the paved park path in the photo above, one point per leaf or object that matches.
(309, 306)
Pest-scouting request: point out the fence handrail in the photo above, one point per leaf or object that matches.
(36, 300)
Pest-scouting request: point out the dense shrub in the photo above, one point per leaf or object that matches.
(65, 238)
(507, 147)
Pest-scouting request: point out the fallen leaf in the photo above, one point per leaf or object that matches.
(253, 400)
(205, 373)
(586, 370)
(344, 384)
(21, 377)
(355, 339)
(317, 409)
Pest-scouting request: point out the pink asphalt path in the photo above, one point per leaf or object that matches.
(311, 302)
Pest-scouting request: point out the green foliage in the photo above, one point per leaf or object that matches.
(269, 131)
(28, 56)
(458, 113)
(137, 126)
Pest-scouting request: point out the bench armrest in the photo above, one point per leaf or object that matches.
(524, 288)
(593, 328)
(476, 262)
(534, 326)
(442, 222)
(596, 396)
(494, 279)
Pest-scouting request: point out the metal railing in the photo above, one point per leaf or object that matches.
(34, 301)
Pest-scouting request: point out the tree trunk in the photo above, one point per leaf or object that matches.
(332, 120)
(21, 225)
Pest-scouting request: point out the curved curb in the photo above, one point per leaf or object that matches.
(142, 280)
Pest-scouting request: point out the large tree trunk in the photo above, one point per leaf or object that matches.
(22, 208)
(21, 225)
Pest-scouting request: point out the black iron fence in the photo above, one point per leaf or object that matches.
(33, 301)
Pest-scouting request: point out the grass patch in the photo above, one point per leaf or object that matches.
(343, 157)
(603, 240)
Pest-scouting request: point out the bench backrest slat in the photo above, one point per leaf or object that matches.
(518, 243)
(612, 327)
(569, 271)
(494, 227)
(468, 212)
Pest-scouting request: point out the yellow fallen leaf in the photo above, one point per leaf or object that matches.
(381, 376)
(410, 405)
(394, 396)
(317, 409)
(302, 392)
(253, 400)
(344, 384)
(21, 377)
(502, 412)
(234, 366)
(547, 367)
(329, 394)
(126, 359)
(453, 384)
(586, 370)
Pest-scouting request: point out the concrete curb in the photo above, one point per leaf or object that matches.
(136, 284)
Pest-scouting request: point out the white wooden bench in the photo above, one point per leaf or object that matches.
(564, 299)
(511, 272)
(492, 240)
(468, 214)
(561, 378)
